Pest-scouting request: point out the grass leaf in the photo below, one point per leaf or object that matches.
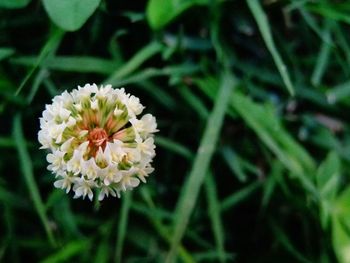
(138, 59)
(122, 226)
(68, 251)
(27, 171)
(80, 64)
(264, 27)
(48, 48)
(191, 188)
(215, 216)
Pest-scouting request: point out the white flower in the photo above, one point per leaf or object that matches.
(71, 121)
(143, 170)
(134, 106)
(146, 147)
(66, 145)
(94, 104)
(103, 92)
(96, 141)
(106, 191)
(116, 151)
(56, 131)
(74, 164)
(133, 155)
(129, 180)
(44, 139)
(111, 174)
(90, 168)
(83, 188)
(65, 98)
(65, 182)
(117, 111)
(56, 160)
(145, 126)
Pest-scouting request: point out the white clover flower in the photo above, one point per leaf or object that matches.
(96, 142)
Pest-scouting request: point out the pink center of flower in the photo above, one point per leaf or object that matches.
(98, 137)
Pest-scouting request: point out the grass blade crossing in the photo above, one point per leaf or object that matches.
(201, 163)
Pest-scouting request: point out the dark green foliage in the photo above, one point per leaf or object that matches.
(251, 99)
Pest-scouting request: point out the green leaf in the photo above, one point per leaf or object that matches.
(327, 179)
(190, 190)
(239, 196)
(135, 62)
(70, 63)
(266, 34)
(161, 12)
(264, 121)
(341, 226)
(68, 251)
(13, 4)
(174, 147)
(234, 163)
(27, 171)
(324, 56)
(215, 216)
(337, 12)
(48, 49)
(70, 15)
(122, 226)
(328, 175)
(287, 244)
(154, 217)
(6, 52)
(341, 92)
(341, 241)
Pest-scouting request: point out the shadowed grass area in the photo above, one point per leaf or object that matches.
(251, 100)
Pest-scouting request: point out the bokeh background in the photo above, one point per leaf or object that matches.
(251, 99)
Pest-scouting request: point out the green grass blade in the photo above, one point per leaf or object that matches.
(270, 183)
(6, 52)
(154, 218)
(212, 256)
(264, 121)
(215, 216)
(287, 244)
(138, 77)
(342, 42)
(263, 24)
(68, 251)
(234, 164)
(339, 93)
(12, 199)
(144, 54)
(64, 215)
(122, 226)
(102, 253)
(42, 74)
(160, 95)
(194, 101)
(81, 64)
(49, 47)
(9, 228)
(174, 147)
(336, 11)
(201, 163)
(239, 196)
(323, 57)
(312, 23)
(27, 171)
(9, 142)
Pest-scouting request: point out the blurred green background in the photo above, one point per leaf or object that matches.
(251, 99)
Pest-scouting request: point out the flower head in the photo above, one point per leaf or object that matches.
(96, 141)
